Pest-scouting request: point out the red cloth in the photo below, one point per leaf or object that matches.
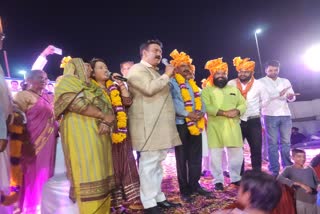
(287, 202)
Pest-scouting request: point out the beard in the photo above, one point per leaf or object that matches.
(245, 79)
(220, 82)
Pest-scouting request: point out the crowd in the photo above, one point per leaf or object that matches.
(102, 117)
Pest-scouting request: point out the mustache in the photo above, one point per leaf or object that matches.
(157, 57)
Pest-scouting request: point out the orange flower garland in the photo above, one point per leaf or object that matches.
(120, 134)
(195, 128)
(18, 135)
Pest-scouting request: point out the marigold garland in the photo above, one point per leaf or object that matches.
(18, 136)
(120, 134)
(195, 128)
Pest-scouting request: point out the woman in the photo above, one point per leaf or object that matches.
(43, 130)
(126, 174)
(86, 122)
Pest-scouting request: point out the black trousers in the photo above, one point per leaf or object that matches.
(252, 131)
(188, 160)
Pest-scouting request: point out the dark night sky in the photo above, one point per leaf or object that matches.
(203, 29)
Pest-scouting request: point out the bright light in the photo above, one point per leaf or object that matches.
(24, 73)
(258, 31)
(312, 58)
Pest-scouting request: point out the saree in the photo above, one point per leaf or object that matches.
(87, 154)
(37, 169)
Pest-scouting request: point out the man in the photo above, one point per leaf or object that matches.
(224, 105)
(277, 116)
(14, 85)
(252, 90)
(125, 67)
(188, 117)
(152, 122)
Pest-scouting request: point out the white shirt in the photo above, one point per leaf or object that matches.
(255, 97)
(277, 105)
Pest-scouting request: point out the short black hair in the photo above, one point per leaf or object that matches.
(273, 63)
(265, 190)
(295, 128)
(145, 45)
(126, 62)
(95, 60)
(297, 151)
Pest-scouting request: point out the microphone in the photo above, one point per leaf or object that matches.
(165, 61)
(121, 78)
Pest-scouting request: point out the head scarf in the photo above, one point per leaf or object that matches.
(213, 66)
(181, 58)
(243, 64)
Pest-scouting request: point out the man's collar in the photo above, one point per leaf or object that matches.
(148, 65)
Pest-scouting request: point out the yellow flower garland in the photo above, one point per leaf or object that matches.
(16, 173)
(195, 128)
(120, 134)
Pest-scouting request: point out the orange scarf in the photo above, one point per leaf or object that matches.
(247, 89)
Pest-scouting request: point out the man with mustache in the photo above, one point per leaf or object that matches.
(224, 105)
(152, 123)
(190, 123)
(253, 91)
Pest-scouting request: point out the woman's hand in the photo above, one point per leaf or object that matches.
(104, 129)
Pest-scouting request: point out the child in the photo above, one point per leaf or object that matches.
(259, 193)
(304, 180)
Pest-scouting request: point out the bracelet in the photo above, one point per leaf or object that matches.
(107, 123)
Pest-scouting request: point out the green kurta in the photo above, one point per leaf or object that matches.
(223, 131)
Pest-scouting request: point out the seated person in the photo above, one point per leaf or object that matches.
(296, 136)
(259, 192)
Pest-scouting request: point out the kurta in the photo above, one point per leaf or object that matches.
(151, 116)
(223, 131)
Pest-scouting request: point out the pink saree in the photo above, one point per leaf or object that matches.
(43, 130)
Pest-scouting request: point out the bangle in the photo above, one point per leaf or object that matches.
(107, 123)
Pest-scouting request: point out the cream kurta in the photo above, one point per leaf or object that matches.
(223, 131)
(151, 115)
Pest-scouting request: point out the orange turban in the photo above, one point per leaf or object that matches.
(181, 59)
(213, 66)
(243, 64)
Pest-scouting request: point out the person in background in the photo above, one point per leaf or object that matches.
(296, 136)
(305, 182)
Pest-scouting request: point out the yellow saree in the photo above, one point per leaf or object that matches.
(88, 154)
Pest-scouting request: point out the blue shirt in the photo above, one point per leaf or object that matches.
(181, 113)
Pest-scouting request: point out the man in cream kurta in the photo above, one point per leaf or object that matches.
(224, 105)
(151, 123)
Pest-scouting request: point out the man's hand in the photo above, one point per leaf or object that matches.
(193, 116)
(290, 96)
(232, 113)
(169, 71)
(48, 51)
(284, 91)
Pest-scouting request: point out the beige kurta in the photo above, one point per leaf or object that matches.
(151, 115)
